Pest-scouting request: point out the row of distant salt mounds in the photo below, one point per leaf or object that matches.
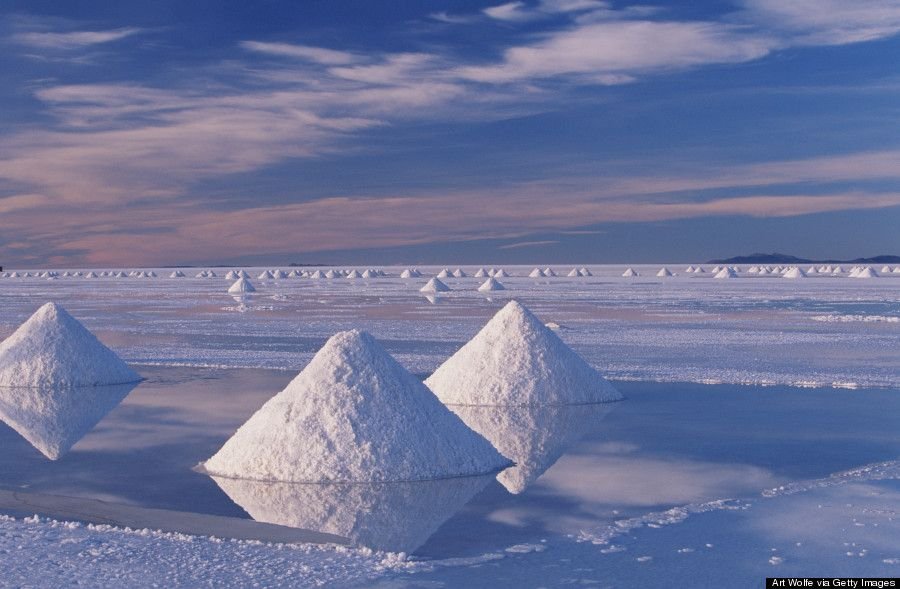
(57, 380)
(354, 414)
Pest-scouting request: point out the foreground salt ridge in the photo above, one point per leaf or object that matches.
(517, 360)
(889, 470)
(354, 415)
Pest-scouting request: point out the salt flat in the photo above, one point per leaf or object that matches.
(758, 432)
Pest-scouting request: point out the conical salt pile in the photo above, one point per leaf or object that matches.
(481, 273)
(445, 273)
(726, 273)
(501, 273)
(867, 272)
(516, 360)
(435, 285)
(585, 272)
(795, 273)
(52, 349)
(573, 273)
(664, 272)
(353, 275)
(629, 273)
(536, 273)
(57, 380)
(406, 274)
(354, 415)
(491, 284)
(459, 273)
(241, 285)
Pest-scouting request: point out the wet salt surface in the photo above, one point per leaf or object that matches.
(667, 445)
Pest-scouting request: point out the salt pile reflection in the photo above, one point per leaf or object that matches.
(398, 517)
(533, 436)
(55, 419)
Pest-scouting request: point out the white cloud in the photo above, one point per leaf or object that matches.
(511, 12)
(623, 48)
(826, 22)
(71, 40)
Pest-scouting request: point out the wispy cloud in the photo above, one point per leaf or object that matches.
(319, 55)
(524, 244)
(72, 39)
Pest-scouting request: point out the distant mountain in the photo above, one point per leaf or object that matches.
(776, 258)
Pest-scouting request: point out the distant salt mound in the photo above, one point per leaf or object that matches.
(629, 273)
(585, 272)
(536, 273)
(317, 274)
(664, 272)
(795, 273)
(177, 274)
(396, 517)
(516, 360)
(52, 349)
(533, 437)
(725, 273)
(435, 285)
(242, 285)
(354, 415)
(885, 269)
(867, 272)
(573, 273)
(369, 274)
(353, 275)
(445, 273)
(331, 274)
(549, 273)
(459, 273)
(501, 273)
(407, 273)
(481, 273)
(232, 275)
(491, 284)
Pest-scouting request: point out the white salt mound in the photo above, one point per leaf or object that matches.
(354, 415)
(536, 273)
(573, 273)
(435, 285)
(501, 273)
(52, 349)
(241, 285)
(795, 273)
(664, 272)
(629, 273)
(491, 284)
(517, 360)
(726, 273)
(867, 272)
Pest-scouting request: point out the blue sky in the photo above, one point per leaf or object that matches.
(553, 130)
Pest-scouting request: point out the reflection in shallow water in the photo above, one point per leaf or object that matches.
(398, 517)
(534, 437)
(53, 420)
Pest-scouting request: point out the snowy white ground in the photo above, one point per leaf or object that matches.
(681, 483)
